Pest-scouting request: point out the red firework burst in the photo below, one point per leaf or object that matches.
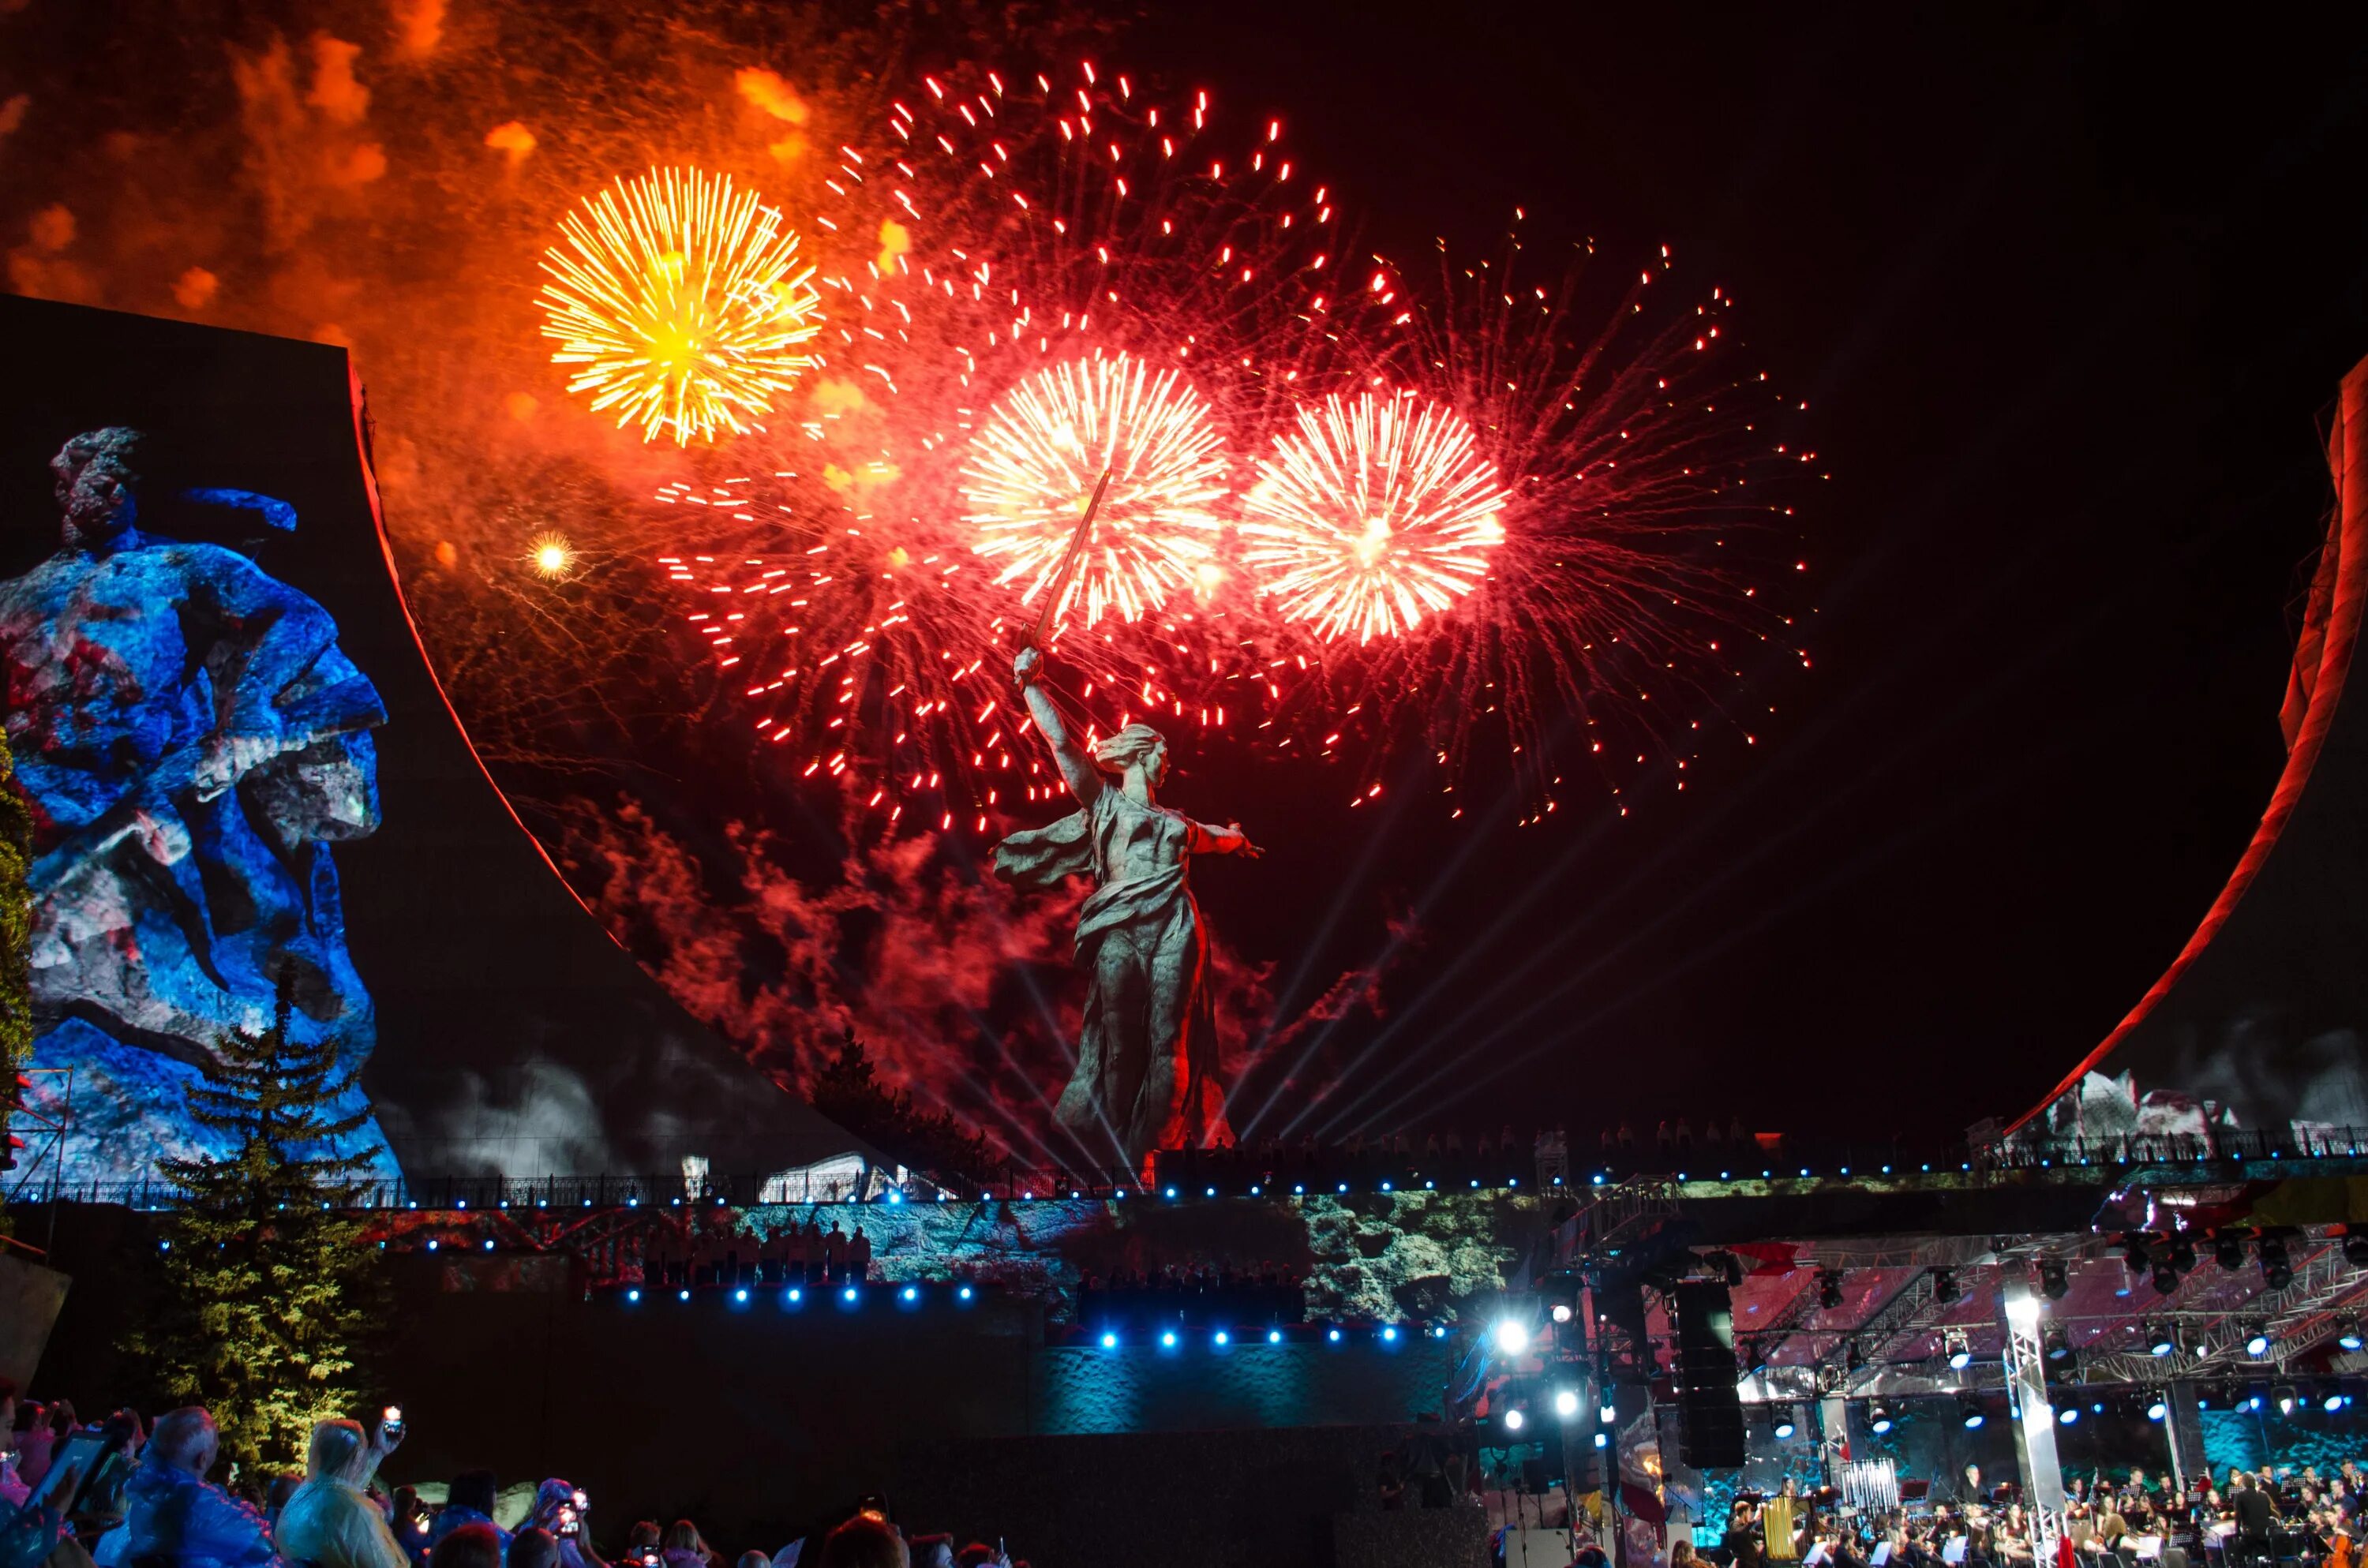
(1038, 456)
(1641, 478)
(1372, 514)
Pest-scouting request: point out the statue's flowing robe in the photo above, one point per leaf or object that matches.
(1146, 1073)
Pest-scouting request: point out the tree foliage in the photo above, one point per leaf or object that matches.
(16, 935)
(269, 1290)
(848, 1091)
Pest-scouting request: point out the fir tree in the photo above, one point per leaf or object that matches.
(16, 938)
(268, 1287)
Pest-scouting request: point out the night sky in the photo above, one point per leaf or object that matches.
(2068, 290)
(2069, 294)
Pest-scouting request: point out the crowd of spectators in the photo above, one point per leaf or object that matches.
(796, 1255)
(2264, 1519)
(124, 1494)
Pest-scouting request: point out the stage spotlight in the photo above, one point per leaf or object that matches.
(963, 1294)
(1211, 1192)
(1221, 1339)
(2355, 1249)
(1562, 1312)
(1878, 1419)
(1344, 1186)
(431, 1244)
(1785, 1426)
(2229, 1252)
(1566, 1403)
(632, 1295)
(741, 1295)
(1970, 1413)
(1439, 1331)
(2059, 1344)
(1944, 1286)
(682, 1295)
(2349, 1338)
(2257, 1342)
(1513, 1420)
(796, 1295)
(1389, 1334)
(910, 1293)
(2068, 1416)
(1829, 1288)
(2282, 1396)
(1602, 1440)
(1512, 1337)
(1167, 1339)
(1171, 1192)
(2277, 1272)
(1607, 1412)
(2054, 1279)
(2166, 1278)
(1110, 1341)
(1274, 1336)
(848, 1295)
(2157, 1407)
(489, 1244)
(1332, 1335)
(1961, 1354)
(2333, 1402)
(2182, 1254)
(2162, 1340)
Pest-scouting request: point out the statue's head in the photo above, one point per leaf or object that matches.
(96, 472)
(1137, 745)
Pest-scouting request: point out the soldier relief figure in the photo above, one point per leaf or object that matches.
(1146, 1074)
(192, 741)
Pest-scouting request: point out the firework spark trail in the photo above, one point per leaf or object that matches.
(1034, 463)
(1001, 234)
(1637, 517)
(1372, 514)
(680, 297)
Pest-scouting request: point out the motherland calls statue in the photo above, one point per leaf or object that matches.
(1146, 1073)
(192, 740)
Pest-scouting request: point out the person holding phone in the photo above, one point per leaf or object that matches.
(561, 1509)
(331, 1521)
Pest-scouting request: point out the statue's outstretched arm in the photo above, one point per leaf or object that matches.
(1084, 779)
(1227, 840)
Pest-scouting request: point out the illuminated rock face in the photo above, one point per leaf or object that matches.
(192, 741)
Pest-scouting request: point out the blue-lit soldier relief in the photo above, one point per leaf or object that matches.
(193, 741)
